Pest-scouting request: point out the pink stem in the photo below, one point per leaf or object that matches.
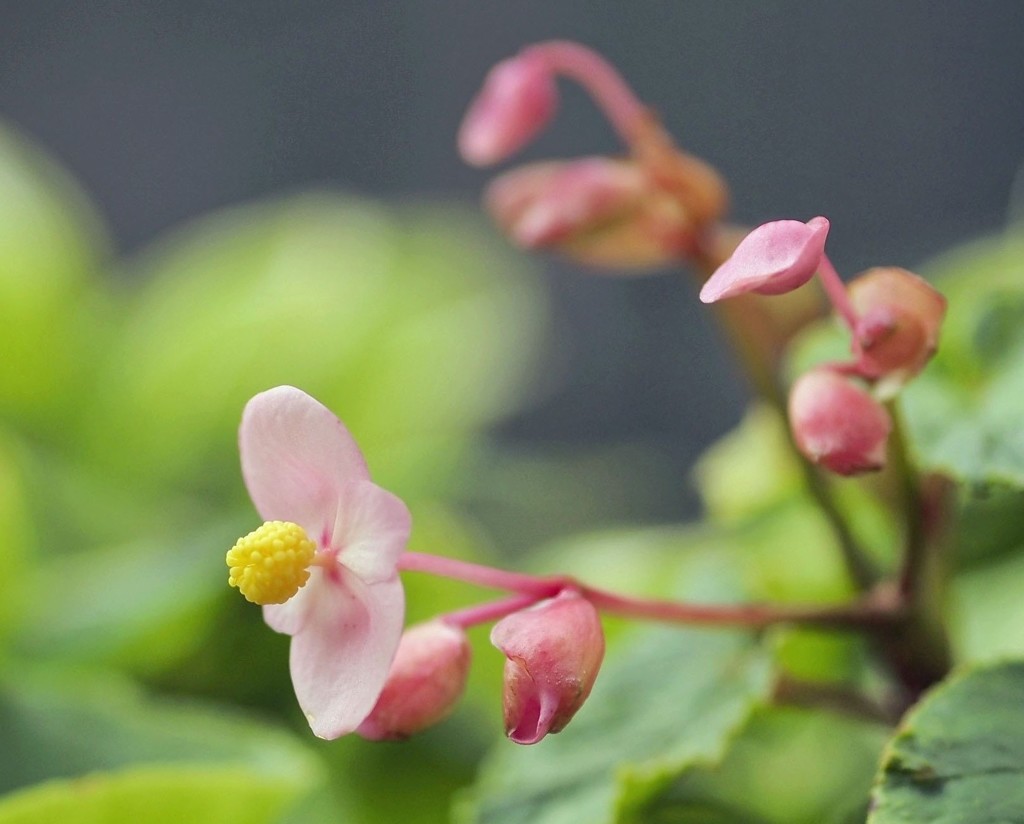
(874, 610)
(491, 611)
(599, 78)
(836, 291)
(842, 616)
(481, 575)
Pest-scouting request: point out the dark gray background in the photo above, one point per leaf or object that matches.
(902, 122)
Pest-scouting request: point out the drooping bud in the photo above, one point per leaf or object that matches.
(425, 683)
(837, 423)
(900, 316)
(553, 652)
(598, 210)
(776, 257)
(517, 100)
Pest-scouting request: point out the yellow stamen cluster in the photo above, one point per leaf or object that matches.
(270, 564)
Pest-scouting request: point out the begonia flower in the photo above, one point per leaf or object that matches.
(553, 652)
(426, 681)
(776, 257)
(307, 477)
(837, 423)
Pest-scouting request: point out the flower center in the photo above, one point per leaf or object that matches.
(270, 564)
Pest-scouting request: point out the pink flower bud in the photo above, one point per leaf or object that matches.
(553, 652)
(776, 257)
(426, 681)
(595, 209)
(900, 316)
(517, 100)
(837, 423)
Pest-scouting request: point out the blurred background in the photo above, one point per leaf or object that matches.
(199, 200)
(902, 123)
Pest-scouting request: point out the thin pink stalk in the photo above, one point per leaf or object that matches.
(481, 575)
(876, 609)
(490, 611)
(836, 291)
(599, 78)
(857, 615)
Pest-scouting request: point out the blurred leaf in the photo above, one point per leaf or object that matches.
(965, 410)
(155, 795)
(751, 469)
(50, 240)
(407, 328)
(672, 698)
(140, 605)
(787, 766)
(959, 754)
(17, 546)
(987, 610)
(62, 724)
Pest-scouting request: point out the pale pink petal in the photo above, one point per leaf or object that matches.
(296, 456)
(371, 530)
(341, 658)
(289, 618)
(774, 258)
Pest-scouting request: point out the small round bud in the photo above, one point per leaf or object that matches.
(837, 423)
(517, 100)
(776, 257)
(595, 209)
(900, 316)
(425, 683)
(553, 651)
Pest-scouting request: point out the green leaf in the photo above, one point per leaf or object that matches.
(66, 723)
(958, 757)
(50, 240)
(964, 411)
(787, 766)
(402, 323)
(155, 795)
(668, 700)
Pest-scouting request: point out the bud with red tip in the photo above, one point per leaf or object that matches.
(517, 100)
(426, 681)
(776, 257)
(595, 209)
(553, 651)
(837, 423)
(897, 332)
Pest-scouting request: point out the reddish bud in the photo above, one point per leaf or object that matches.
(595, 209)
(776, 257)
(900, 316)
(553, 653)
(837, 423)
(425, 682)
(517, 100)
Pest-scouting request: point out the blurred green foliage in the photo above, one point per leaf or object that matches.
(135, 686)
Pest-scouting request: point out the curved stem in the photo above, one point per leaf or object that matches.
(837, 294)
(491, 611)
(600, 78)
(876, 609)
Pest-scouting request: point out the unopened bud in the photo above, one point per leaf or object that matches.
(837, 423)
(517, 100)
(598, 210)
(900, 316)
(553, 652)
(776, 257)
(425, 683)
